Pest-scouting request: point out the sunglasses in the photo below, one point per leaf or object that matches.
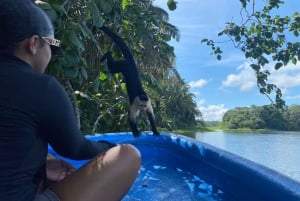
(54, 43)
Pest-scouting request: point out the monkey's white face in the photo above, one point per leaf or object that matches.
(143, 105)
(140, 105)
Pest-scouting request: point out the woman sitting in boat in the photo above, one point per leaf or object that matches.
(35, 110)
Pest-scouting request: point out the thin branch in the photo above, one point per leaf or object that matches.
(100, 116)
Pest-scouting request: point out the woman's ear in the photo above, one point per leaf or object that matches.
(33, 44)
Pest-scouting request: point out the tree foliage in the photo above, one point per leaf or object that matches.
(99, 98)
(264, 36)
(263, 117)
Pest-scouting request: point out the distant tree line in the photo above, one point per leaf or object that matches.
(263, 117)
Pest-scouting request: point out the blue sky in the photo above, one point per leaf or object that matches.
(229, 83)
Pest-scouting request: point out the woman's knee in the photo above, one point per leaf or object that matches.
(116, 167)
(129, 154)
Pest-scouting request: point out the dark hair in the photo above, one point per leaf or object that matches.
(20, 19)
(143, 97)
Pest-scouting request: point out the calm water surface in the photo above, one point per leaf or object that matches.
(279, 151)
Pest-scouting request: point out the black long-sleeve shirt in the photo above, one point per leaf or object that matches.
(34, 111)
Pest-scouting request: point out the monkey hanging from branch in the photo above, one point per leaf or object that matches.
(138, 99)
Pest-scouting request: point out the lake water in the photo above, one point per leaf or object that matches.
(277, 150)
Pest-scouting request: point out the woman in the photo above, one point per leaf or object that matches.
(35, 111)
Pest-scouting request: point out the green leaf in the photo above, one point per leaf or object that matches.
(105, 6)
(60, 10)
(244, 3)
(296, 33)
(48, 9)
(83, 73)
(123, 86)
(278, 65)
(84, 30)
(102, 77)
(204, 40)
(262, 90)
(71, 72)
(171, 4)
(73, 38)
(97, 22)
(95, 85)
(124, 4)
(255, 67)
(71, 58)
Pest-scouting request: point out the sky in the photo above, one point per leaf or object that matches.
(222, 85)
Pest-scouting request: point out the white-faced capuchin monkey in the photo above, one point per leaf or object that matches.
(138, 98)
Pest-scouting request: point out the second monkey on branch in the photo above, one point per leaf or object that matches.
(138, 99)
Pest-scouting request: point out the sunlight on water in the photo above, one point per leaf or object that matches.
(156, 183)
(279, 151)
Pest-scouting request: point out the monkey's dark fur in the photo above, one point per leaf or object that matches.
(138, 98)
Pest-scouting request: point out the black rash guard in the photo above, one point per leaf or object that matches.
(34, 111)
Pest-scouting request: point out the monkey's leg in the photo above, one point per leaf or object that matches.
(151, 118)
(132, 114)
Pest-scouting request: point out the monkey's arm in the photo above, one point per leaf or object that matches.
(132, 115)
(151, 118)
(114, 66)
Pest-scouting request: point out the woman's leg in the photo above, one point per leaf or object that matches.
(107, 177)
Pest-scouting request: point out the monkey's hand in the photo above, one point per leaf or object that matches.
(155, 132)
(136, 133)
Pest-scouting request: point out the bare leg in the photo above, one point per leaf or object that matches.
(107, 177)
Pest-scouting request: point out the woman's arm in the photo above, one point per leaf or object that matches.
(59, 126)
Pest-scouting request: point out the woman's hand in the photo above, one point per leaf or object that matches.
(58, 169)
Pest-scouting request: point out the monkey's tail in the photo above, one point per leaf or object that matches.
(119, 42)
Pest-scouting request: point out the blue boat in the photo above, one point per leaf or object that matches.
(179, 168)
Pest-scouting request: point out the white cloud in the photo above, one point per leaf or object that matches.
(197, 84)
(244, 79)
(200, 102)
(284, 78)
(196, 93)
(233, 57)
(293, 97)
(289, 68)
(211, 112)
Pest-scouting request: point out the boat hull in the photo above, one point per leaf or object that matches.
(175, 167)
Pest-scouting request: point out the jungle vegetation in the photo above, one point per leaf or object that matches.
(263, 117)
(100, 104)
(99, 98)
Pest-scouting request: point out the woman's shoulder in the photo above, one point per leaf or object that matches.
(43, 80)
